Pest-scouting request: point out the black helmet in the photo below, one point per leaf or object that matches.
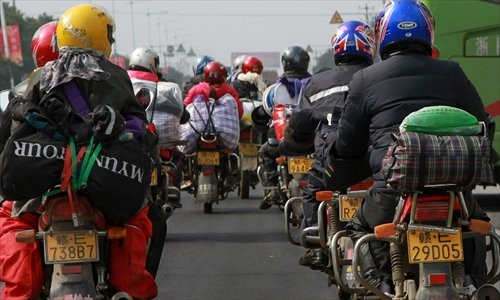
(295, 58)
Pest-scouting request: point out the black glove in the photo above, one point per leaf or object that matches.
(107, 123)
(302, 125)
(19, 108)
(304, 145)
(260, 119)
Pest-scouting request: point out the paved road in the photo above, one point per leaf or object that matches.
(238, 252)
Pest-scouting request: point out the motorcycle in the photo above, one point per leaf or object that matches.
(74, 236)
(426, 247)
(292, 169)
(334, 211)
(213, 170)
(248, 146)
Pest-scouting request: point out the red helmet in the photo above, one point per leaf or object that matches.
(44, 44)
(215, 73)
(252, 64)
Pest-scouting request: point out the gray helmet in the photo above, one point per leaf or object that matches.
(144, 58)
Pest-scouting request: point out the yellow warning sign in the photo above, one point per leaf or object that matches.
(336, 18)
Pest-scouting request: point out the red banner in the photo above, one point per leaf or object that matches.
(14, 42)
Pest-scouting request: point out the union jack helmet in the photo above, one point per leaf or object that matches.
(353, 39)
(401, 22)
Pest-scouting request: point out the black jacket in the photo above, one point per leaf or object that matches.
(382, 95)
(245, 89)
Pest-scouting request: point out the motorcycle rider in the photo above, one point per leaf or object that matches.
(290, 84)
(380, 97)
(84, 36)
(198, 76)
(248, 83)
(235, 68)
(43, 49)
(215, 75)
(353, 47)
(143, 72)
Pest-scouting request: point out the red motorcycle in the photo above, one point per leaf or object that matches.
(213, 170)
(74, 235)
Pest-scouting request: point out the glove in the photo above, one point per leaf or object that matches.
(302, 125)
(260, 119)
(107, 124)
(19, 108)
(304, 145)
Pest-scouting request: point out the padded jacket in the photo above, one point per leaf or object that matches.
(382, 95)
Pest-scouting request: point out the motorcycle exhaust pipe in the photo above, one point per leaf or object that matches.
(121, 296)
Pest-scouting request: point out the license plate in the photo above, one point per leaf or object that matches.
(299, 165)
(248, 149)
(426, 247)
(154, 177)
(208, 158)
(348, 206)
(71, 247)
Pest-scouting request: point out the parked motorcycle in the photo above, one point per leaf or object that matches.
(213, 171)
(74, 236)
(426, 247)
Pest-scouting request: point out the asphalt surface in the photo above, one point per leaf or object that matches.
(237, 252)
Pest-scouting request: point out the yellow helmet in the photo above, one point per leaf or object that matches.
(86, 26)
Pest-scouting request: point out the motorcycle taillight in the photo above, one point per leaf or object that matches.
(59, 209)
(432, 207)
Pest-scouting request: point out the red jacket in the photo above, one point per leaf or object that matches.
(203, 88)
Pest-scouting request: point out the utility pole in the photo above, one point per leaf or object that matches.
(366, 8)
(132, 22)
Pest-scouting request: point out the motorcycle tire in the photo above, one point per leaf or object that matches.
(207, 208)
(244, 190)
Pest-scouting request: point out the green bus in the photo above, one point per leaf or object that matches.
(468, 32)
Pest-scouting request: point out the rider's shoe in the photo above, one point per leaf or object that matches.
(174, 204)
(316, 259)
(186, 184)
(268, 200)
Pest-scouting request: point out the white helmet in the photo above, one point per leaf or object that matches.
(144, 58)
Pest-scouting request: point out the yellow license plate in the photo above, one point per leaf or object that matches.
(426, 247)
(154, 177)
(299, 165)
(208, 158)
(71, 247)
(348, 206)
(248, 149)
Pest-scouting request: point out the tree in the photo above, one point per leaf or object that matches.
(324, 61)
(27, 27)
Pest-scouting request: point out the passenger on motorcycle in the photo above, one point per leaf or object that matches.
(380, 97)
(248, 83)
(214, 84)
(144, 73)
(289, 86)
(198, 76)
(314, 122)
(235, 68)
(84, 36)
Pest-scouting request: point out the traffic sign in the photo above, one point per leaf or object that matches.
(336, 18)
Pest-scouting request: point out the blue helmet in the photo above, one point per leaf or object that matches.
(404, 21)
(201, 62)
(353, 39)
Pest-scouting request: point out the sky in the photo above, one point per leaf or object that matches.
(218, 28)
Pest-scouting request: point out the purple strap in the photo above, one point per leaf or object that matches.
(134, 125)
(75, 98)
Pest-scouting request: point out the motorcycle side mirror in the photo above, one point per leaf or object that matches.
(5, 97)
(145, 97)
